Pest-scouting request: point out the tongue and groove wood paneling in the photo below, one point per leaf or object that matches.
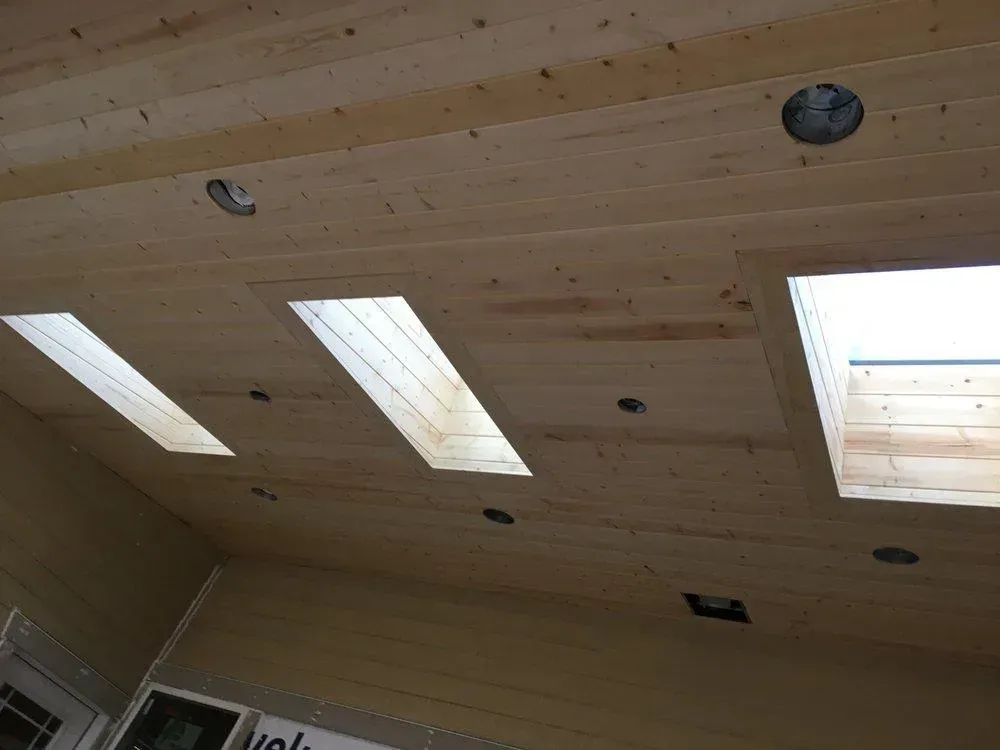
(552, 675)
(88, 558)
(351, 54)
(580, 233)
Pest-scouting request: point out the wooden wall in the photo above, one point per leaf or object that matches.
(86, 556)
(544, 675)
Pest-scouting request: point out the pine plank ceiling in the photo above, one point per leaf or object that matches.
(584, 198)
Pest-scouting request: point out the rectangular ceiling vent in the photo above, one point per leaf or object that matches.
(75, 348)
(383, 345)
(717, 607)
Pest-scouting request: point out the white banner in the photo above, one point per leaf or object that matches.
(273, 733)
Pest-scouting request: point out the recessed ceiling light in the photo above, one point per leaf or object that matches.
(257, 395)
(822, 114)
(895, 556)
(231, 197)
(498, 516)
(631, 405)
(264, 494)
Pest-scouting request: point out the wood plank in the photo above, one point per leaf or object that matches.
(705, 64)
(228, 41)
(910, 440)
(732, 396)
(655, 354)
(683, 379)
(926, 380)
(403, 57)
(724, 127)
(925, 473)
(945, 411)
(88, 545)
(339, 221)
(947, 216)
(826, 361)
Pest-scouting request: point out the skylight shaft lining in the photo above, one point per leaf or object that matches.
(902, 366)
(78, 351)
(53, 342)
(379, 322)
(374, 353)
(402, 315)
(381, 343)
(393, 404)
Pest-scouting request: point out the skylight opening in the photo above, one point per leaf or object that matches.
(905, 367)
(383, 345)
(72, 346)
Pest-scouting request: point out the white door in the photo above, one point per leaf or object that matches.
(36, 713)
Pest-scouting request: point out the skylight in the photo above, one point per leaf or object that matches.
(945, 314)
(72, 346)
(905, 366)
(388, 351)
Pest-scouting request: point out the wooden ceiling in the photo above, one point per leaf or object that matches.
(582, 198)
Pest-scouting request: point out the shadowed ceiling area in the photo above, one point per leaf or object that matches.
(582, 202)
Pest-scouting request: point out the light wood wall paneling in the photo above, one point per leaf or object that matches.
(568, 676)
(638, 589)
(82, 547)
(917, 440)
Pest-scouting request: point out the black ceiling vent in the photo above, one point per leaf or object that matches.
(264, 494)
(822, 114)
(718, 607)
(498, 516)
(231, 197)
(896, 556)
(632, 405)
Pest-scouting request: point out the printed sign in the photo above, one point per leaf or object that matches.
(273, 733)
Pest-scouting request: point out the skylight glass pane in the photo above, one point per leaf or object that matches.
(935, 315)
(391, 355)
(72, 346)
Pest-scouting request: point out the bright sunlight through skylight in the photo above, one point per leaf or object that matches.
(920, 316)
(905, 366)
(72, 346)
(388, 351)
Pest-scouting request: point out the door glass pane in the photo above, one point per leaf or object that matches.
(167, 722)
(16, 732)
(24, 725)
(24, 705)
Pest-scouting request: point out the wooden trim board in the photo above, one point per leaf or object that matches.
(818, 417)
